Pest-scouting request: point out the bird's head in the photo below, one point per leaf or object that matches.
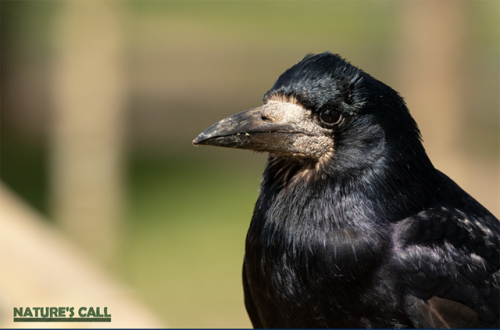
(326, 115)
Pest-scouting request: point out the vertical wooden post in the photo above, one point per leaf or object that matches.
(429, 72)
(431, 69)
(87, 118)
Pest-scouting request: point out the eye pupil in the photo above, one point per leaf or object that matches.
(330, 116)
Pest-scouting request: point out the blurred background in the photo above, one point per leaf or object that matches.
(100, 101)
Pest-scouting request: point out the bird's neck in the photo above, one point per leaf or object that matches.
(296, 194)
(382, 193)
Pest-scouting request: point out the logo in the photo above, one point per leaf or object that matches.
(61, 314)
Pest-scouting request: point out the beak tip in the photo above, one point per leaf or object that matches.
(197, 141)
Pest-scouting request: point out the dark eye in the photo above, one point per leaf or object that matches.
(330, 116)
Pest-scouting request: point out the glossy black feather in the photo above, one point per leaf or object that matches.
(370, 238)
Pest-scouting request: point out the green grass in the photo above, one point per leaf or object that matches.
(184, 245)
(23, 167)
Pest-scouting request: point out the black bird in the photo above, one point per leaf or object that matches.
(354, 227)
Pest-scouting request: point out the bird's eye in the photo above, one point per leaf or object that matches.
(330, 116)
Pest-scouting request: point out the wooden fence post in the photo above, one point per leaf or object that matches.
(87, 119)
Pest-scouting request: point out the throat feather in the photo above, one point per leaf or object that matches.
(288, 172)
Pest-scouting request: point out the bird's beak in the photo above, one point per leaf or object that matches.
(258, 129)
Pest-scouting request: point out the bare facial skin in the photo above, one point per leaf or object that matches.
(312, 141)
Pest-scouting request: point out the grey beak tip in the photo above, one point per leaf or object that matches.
(196, 141)
(200, 138)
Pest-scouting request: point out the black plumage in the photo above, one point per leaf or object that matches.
(354, 227)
